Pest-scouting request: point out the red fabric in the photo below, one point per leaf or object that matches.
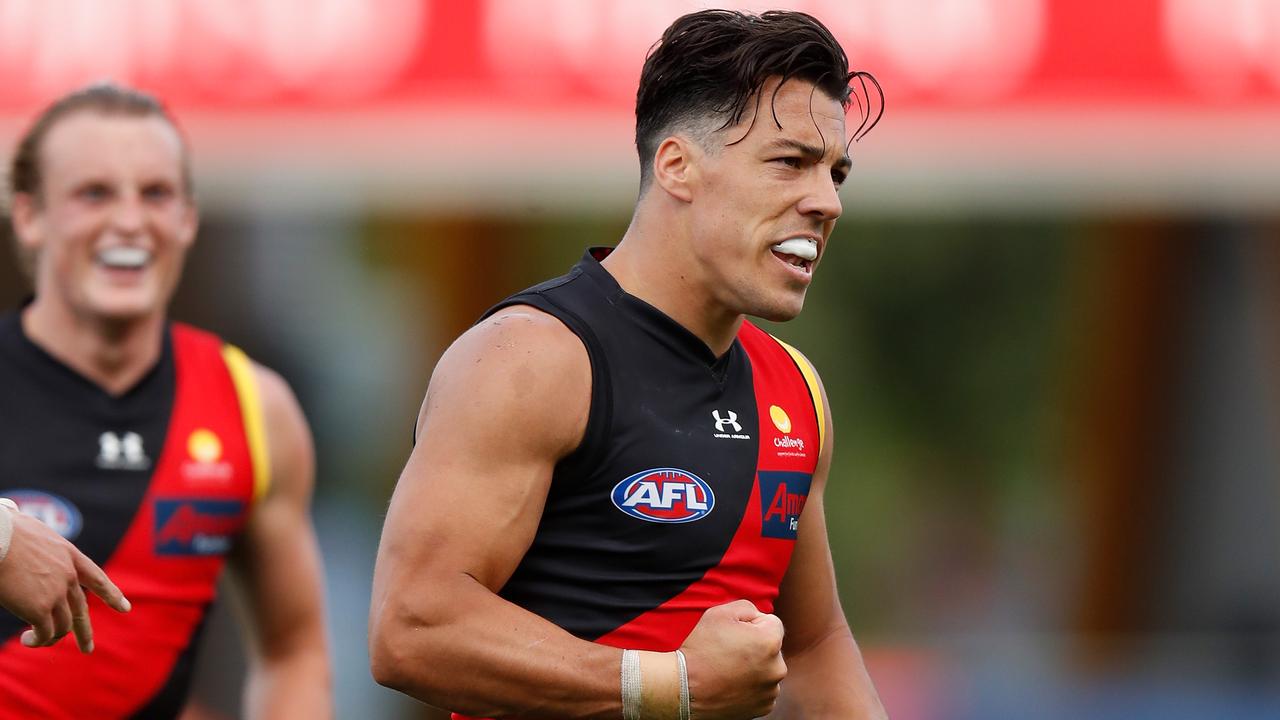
(135, 652)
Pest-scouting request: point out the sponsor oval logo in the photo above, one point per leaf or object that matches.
(779, 418)
(53, 510)
(664, 495)
(204, 446)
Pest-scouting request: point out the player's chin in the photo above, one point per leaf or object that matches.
(781, 309)
(124, 306)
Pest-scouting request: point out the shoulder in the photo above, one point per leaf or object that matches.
(753, 338)
(289, 445)
(519, 338)
(278, 400)
(525, 323)
(274, 418)
(519, 367)
(262, 390)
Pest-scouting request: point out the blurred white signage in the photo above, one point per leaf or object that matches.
(235, 49)
(1223, 45)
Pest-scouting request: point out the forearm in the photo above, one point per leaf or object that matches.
(828, 680)
(297, 685)
(472, 652)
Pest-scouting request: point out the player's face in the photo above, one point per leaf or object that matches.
(115, 220)
(766, 205)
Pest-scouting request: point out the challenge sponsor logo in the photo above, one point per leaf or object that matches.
(787, 445)
(664, 495)
(782, 499)
(190, 526)
(55, 511)
(204, 450)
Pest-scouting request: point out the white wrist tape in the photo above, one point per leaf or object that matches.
(631, 685)
(8, 509)
(685, 700)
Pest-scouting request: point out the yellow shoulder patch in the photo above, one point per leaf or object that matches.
(242, 376)
(815, 391)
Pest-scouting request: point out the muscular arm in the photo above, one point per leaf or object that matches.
(276, 572)
(506, 401)
(826, 677)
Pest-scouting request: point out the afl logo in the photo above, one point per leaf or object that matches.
(664, 495)
(52, 510)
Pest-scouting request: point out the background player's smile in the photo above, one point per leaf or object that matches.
(124, 258)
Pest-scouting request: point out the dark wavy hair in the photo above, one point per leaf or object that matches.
(711, 64)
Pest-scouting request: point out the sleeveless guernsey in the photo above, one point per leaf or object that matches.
(154, 486)
(691, 480)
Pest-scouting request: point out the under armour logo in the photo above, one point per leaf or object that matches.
(722, 424)
(121, 452)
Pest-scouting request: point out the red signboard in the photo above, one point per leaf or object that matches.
(272, 55)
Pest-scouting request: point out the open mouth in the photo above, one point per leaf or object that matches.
(123, 258)
(797, 252)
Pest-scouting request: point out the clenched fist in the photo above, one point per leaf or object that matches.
(734, 657)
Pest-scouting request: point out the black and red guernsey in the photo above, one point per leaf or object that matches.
(689, 485)
(153, 485)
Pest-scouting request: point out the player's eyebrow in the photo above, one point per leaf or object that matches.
(812, 153)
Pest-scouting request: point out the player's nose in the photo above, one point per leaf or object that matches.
(821, 200)
(128, 216)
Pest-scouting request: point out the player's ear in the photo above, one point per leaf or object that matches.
(28, 222)
(674, 167)
(190, 222)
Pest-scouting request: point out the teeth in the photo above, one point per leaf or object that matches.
(803, 248)
(124, 257)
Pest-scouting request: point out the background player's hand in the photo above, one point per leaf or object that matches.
(40, 582)
(734, 655)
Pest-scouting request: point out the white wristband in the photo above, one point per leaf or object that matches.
(685, 700)
(631, 685)
(7, 510)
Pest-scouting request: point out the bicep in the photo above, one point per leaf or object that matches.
(276, 566)
(505, 403)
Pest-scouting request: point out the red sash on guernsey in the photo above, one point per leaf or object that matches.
(169, 559)
(792, 432)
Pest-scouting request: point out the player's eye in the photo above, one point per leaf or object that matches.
(838, 177)
(94, 192)
(156, 192)
(790, 161)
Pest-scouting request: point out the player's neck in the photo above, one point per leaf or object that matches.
(646, 266)
(113, 354)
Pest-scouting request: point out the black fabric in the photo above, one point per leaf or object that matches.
(655, 386)
(52, 422)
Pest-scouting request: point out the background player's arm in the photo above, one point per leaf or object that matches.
(277, 575)
(825, 673)
(507, 401)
